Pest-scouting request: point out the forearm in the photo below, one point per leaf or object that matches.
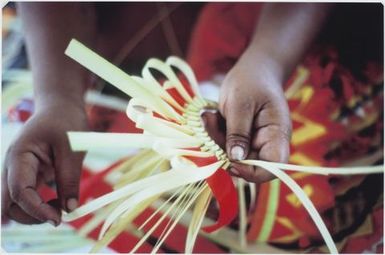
(48, 29)
(284, 33)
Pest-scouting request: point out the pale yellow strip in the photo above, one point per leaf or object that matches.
(242, 212)
(316, 169)
(271, 211)
(163, 182)
(309, 206)
(118, 78)
(197, 217)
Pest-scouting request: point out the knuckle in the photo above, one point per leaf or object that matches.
(261, 175)
(250, 178)
(242, 109)
(286, 131)
(224, 104)
(255, 180)
(10, 154)
(16, 192)
(238, 138)
(246, 173)
(37, 213)
(246, 105)
(277, 132)
(247, 178)
(70, 187)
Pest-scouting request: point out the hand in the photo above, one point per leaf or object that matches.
(251, 98)
(41, 154)
(258, 124)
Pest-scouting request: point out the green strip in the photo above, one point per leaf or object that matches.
(270, 211)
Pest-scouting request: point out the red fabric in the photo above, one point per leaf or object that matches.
(372, 243)
(220, 182)
(222, 32)
(176, 240)
(95, 186)
(224, 193)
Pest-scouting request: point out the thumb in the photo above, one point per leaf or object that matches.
(239, 118)
(68, 171)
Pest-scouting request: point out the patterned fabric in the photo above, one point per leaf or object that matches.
(337, 120)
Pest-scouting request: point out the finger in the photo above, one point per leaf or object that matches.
(46, 175)
(251, 173)
(245, 171)
(14, 212)
(5, 198)
(276, 116)
(67, 174)
(272, 145)
(242, 170)
(23, 169)
(214, 124)
(272, 137)
(239, 120)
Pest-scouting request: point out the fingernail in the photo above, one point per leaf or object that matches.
(234, 171)
(237, 152)
(72, 204)
(51, 222)
(204, 118)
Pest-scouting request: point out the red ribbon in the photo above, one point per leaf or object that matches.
(224, 192)
(220, 182)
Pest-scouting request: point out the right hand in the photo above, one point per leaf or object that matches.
(41, 154)
(258, 124)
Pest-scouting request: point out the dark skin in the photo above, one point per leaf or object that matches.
(42, 149)
(251, 100)
(260, 122)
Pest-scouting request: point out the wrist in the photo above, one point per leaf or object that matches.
(48, 100)
(265, 66)
(61, 104)
(281, 64)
